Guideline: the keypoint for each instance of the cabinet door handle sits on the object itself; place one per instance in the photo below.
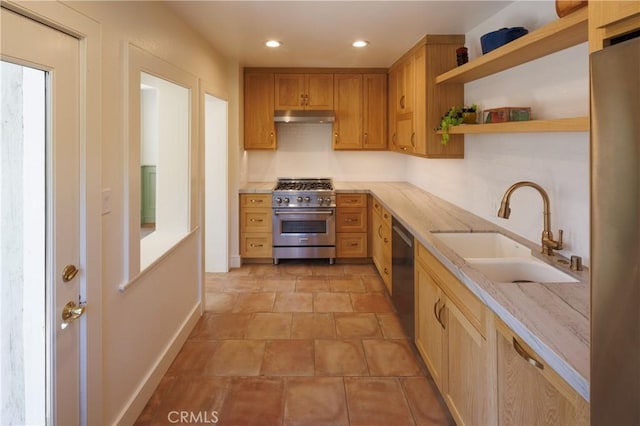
(402, 102)
(335, 138)
(349, 220)
(386, 240)
(256, 245)
(523, 353)
(440, 320)
(271, 138)
(255, 220)
(354, 244)
(301, 99)
(256, 200)
(413, 139)
(394, 139)
(306, 100)
(366, 137)
(404, 148)
(435, 310)
(380, 231)
(386, 271)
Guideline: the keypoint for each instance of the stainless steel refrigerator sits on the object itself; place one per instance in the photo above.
(615, 234)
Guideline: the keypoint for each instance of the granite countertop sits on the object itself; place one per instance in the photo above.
(553, 319)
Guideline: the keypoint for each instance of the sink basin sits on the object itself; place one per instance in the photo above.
(513, 270)
(483, 245)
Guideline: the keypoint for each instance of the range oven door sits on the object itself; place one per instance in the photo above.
(304, 227)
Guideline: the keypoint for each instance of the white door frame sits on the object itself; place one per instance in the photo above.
(88, 32)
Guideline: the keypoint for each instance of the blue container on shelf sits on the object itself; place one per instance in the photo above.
(495, 39)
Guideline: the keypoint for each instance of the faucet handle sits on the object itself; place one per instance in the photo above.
(560, 232)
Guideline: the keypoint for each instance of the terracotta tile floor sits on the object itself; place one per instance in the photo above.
(299, 343)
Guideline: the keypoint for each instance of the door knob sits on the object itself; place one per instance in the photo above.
(72, 312)
(69, 272)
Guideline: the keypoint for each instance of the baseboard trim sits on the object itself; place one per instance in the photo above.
(136, 404)
(235, 262)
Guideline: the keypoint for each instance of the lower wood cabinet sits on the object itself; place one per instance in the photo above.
(451, 335)
(529, 392)
(486, 374)
(255, 226)
(351, 226)
(381, 241)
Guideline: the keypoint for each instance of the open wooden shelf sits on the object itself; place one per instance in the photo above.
(553, 37)
(575, 124)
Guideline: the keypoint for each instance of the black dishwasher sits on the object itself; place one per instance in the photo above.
(402, 292)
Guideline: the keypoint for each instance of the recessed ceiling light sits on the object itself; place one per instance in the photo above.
(360, 43)
(273, 43)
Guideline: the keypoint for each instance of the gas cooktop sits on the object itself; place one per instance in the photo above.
(304, 184)
(303, 192)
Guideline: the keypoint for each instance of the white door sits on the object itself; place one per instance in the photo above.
(40, 380)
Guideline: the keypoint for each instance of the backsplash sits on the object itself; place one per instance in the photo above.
(304, 150)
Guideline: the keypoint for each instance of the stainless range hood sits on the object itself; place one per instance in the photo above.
(307, 116)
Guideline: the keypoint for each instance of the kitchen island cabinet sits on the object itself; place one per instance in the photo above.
(259, 128)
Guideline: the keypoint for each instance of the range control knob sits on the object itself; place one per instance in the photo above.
(279, 200)
(299, 199)
(320, 200)
(286, 201)
(307, 199)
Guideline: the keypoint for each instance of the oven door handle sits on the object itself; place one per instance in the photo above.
(325, 212)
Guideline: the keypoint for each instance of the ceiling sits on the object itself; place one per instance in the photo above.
(320, 33)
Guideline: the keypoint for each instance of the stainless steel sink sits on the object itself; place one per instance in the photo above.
(500, 258)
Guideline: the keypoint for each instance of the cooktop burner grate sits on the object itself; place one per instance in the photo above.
(304, 185)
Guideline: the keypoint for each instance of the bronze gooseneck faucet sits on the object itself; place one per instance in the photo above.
(548, 243)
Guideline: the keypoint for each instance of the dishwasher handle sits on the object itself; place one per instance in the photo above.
(401, 233)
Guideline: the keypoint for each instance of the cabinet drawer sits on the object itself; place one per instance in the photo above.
(255, 245)
(472, 307)
(351, 244)
(351, 200)
(255, 220)
(351, 219)
(255, 200)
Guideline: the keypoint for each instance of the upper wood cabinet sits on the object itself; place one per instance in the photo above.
(418, 103)
(303, 91)
(610, 19)
(259, 128)
(360, 107)
(609, 12)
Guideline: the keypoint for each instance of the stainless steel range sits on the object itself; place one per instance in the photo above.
(304, 211)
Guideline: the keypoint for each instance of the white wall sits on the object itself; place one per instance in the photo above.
(555, 86)
(304, 150)
(216, 240)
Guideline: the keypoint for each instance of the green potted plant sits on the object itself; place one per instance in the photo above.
(469, 114)
(453, 117)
